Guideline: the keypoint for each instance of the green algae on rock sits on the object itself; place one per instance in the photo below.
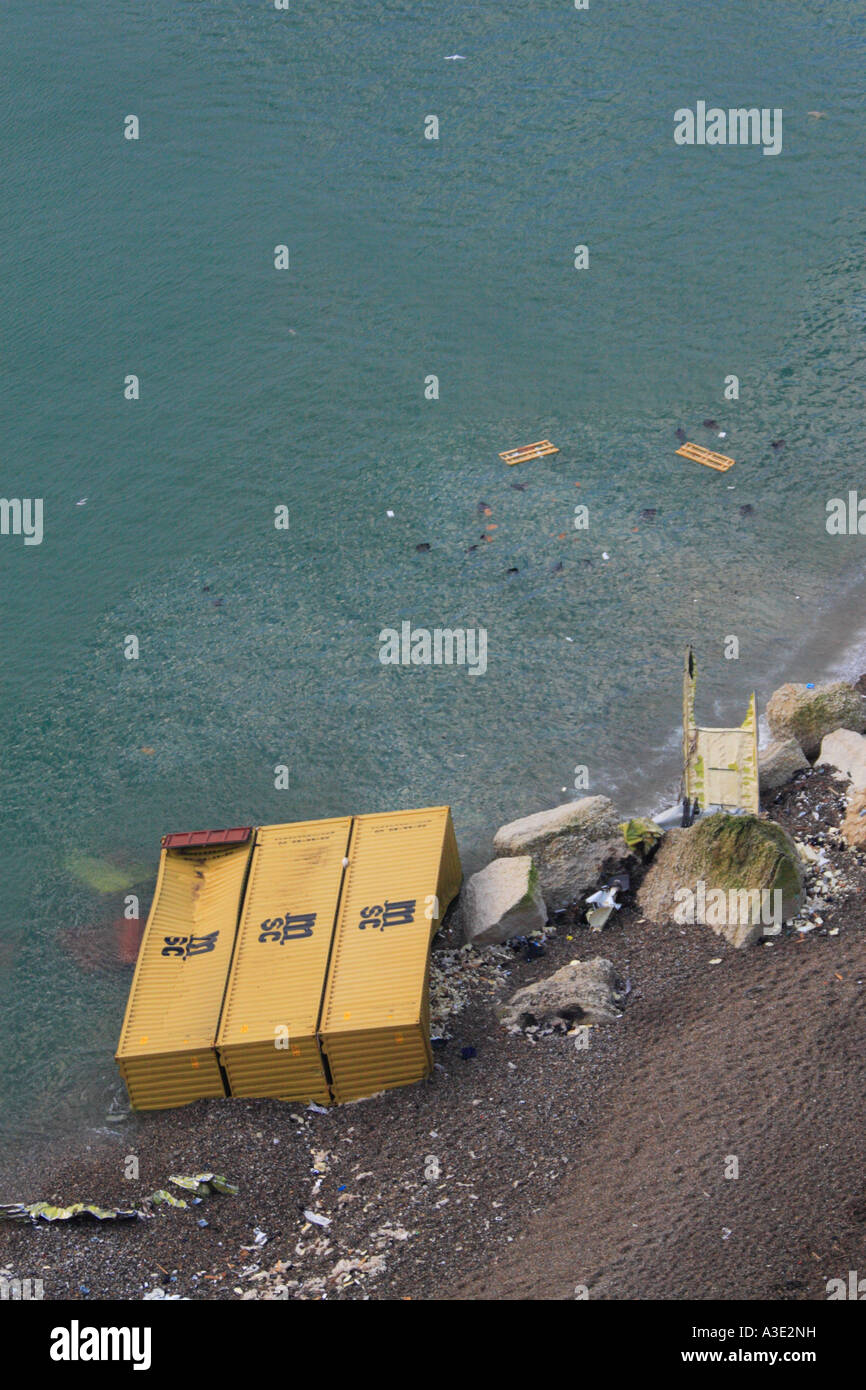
(794, 711)
(744, 858)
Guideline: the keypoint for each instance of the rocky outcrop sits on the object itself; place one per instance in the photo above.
(779, 762)
(846, 752)
(501, 901)
(807, 715)
(574, 847)
(723, 872)
(581, 992)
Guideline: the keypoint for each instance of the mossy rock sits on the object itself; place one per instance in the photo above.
(727, 853)
(793, 711)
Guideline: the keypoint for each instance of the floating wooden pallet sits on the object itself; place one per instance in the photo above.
(699, 454)
(529, 451)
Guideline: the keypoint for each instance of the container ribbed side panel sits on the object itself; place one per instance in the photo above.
(277, 977)
(180, 978)
(374, 1017)
(377, 1060)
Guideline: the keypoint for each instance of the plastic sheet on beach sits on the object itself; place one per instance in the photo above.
(641, 834)
(44, 1211)
(204, 1183)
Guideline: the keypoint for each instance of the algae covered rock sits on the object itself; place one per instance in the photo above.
(581, 992)
(779, 762)
(807, 715)
(501, 901)
(574, 847)
(739, 875)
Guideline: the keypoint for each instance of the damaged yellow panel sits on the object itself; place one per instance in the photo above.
(267, 1038)
(403, 872)
(720, 766)
(166, 1052)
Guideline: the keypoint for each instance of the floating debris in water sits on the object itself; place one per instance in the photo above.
(425, 545)
(680, 435)
(777, 443)
(710, 424)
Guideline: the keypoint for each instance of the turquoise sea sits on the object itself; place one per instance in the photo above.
(305, 388)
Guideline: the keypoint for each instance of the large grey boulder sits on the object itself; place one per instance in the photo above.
(846, 752)
(574, 847)
(723, 872)
(779, 762)
(501, 901)
(807, 715)
(581, 992)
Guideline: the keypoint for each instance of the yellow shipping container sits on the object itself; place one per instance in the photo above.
(267, 1037)
(404, 870)
(166, 1052)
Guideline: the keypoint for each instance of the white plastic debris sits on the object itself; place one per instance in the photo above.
(317, 1219)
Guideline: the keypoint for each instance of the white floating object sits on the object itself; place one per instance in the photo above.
(389, 513)
(454, 58)
(723, 434)
(717, 960)
(604, 555)
(81, 502)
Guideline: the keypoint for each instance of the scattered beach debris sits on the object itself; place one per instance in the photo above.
(458, 975)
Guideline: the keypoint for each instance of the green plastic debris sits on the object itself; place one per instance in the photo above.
(102, 875)
(203, 1183)
(641, 834)
(44, 1211)
(168, 1198)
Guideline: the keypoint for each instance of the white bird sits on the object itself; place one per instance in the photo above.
(454, 58)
